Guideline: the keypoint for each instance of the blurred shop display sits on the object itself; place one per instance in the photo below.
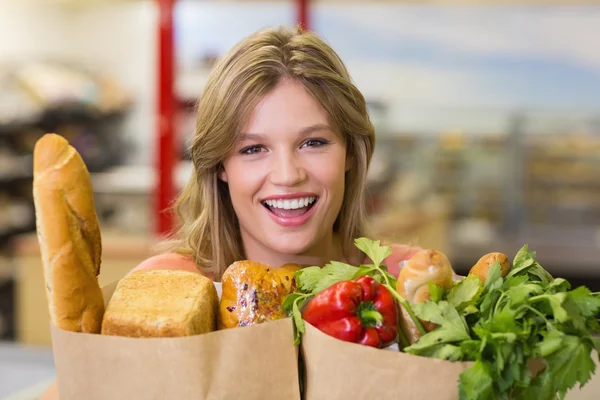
(484, 192)
(37, 97)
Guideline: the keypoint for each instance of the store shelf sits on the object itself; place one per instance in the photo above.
(563, 251)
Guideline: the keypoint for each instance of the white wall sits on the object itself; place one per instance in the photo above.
(30, 31)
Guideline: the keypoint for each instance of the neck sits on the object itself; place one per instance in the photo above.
(327, 249)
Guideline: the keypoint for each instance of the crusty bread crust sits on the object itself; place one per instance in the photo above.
(68, 234)
(483, 265)
(162, 303)
(253, 293)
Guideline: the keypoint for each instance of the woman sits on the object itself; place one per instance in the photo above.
(281, 151)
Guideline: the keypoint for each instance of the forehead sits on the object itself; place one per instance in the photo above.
(288, 108)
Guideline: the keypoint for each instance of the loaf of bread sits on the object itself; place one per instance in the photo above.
(426, 266)
(162, 303)
(68, 234)
(253, 293)
(481, 269)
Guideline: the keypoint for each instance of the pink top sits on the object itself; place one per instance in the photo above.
(175, 261)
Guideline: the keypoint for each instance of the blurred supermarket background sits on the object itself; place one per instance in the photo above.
(487, 116)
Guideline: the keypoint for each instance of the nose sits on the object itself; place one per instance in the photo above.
(287, 170)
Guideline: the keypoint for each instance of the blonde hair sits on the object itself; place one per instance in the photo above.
(209, 230)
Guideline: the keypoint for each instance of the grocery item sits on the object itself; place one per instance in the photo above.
(68, 235)
(253, 293)
(360, 311)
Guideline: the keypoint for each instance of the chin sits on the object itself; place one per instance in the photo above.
(292, 244)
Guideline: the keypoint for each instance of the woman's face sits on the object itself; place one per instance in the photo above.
(286, 175)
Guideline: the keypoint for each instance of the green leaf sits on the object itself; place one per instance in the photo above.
(289, 301)
(523, 258)
(468, 310)
(541, 388)
(476, 383)
(555, 301)
(588, 304)
(509, 360)
(558, 285)
(333, 273)
(552, 342)
(443, 351)
(436, 292)
(488, 303)
(515, 281)
(298, 321)
(571, 364)
(502, 321)
(470, 348)
(373, 249)
(494, 278)
(465, 293)
(518, 295)
(451, 326)
(525, 263)
(307, 278)
(365, 270)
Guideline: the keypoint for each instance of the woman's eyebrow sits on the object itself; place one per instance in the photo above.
(314, 128)
(303, 132)
(251, 136)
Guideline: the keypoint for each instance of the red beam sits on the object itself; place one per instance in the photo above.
(303, 16)
(165, 157)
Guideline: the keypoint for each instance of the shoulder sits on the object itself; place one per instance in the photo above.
(400, 252)
(168, 261)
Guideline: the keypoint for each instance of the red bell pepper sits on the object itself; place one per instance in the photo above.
(359, 311)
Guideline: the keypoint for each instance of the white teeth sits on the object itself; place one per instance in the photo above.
(291, 204)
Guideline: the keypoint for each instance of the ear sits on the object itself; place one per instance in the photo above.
(349, 162)
(222, 174)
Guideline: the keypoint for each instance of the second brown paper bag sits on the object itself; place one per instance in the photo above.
(334, 369)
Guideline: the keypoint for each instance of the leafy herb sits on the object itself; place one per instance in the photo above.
(373, 250)
(314, 279)
(436, 292)
(465, 293)
(451, 327)
(505, 323)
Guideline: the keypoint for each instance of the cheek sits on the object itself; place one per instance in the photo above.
(330, 171)
(243, 180)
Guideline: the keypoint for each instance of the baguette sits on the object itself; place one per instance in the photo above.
(162, 303)
(426, 266)
(68, 234)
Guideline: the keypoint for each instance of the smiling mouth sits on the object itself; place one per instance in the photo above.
(290, 208)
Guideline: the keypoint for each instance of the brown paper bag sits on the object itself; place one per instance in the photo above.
(334, 369)
(255, 362)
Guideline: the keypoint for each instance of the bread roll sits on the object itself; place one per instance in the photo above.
(253, 293)
(162, 303)
(426, 266)
(286, 273)
(68, 235)
(482, 267)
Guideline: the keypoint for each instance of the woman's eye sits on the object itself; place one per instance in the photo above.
(251, 149)
(315, 142)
